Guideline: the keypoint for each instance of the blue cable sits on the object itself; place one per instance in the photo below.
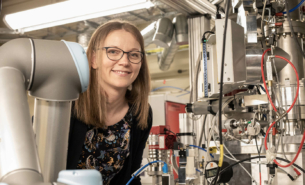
(201, 149)
(162, 87)
(296, 7)
(183, 94)
(164, 168)
(262, 86)
(198, 170)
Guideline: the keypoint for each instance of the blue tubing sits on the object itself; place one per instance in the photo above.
(201, 149)
(296, 7)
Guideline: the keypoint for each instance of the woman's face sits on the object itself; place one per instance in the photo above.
(118, 74)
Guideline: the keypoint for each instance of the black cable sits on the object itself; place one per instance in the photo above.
(292, 30)
(256, 157)
(221, 78)
(203, 39)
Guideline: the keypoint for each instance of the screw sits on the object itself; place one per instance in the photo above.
(228, 79)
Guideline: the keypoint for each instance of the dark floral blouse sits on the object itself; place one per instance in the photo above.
(106, 149)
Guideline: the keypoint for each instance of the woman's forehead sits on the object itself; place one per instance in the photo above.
(122, 39)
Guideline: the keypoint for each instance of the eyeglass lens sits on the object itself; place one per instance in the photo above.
(117, 54)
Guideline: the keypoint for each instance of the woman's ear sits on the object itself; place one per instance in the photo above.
(93, 61)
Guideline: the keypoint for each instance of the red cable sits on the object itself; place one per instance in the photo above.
(295, 99)
(260, 179)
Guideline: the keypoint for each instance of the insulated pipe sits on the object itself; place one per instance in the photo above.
(168, 55)
(181, 29)
(164, 32)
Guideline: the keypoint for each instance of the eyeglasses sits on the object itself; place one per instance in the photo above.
(116, 54)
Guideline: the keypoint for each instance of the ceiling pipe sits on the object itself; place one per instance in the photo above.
(181, 29)
(180, 37)
(164, 32)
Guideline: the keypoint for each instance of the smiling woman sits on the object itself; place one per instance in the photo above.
(111, 121)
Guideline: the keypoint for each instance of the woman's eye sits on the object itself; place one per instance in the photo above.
(113, 52)
(136, 55)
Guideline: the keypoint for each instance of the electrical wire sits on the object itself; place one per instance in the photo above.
(233, 158)
(203, 131)
(263, 15)
(142, 168)
(221, 88)
(183, 94)
(256, 157)
(292, 30)
(296, 7)
(295, 99)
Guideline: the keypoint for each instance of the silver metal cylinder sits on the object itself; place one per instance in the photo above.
(51, 126)
(186, 129)
(287, 94)
(164, 32)
(253, 63)
(288, 44)
(181, 29)
(296, 13)
(17, 143)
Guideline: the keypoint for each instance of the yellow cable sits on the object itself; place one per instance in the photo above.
(221, 156)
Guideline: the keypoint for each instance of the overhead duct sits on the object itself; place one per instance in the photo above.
(181, 29)
(164, 32)
(84, 38)
(148, 33)
(180, 37)
(167, 56)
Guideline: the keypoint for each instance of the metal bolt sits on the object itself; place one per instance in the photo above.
(228, 79)
(225, 64)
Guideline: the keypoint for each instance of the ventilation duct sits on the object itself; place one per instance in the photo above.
(179, 37)
(164, 32)
(84, 38)
(148, 33)
(181, 29)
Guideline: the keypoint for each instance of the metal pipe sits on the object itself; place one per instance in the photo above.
(148, 33)
(181, 29)
(167, 56)
(18, 152)
(164, 32)
(51, 126)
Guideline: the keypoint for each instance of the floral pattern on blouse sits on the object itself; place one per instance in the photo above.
(106, 149)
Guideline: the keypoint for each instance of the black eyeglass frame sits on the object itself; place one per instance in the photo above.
(142, 54)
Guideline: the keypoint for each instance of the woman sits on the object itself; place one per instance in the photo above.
(112, 119)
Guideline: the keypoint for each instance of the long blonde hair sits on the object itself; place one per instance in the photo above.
(91, 105)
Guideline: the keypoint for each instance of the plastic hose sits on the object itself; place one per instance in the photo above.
(296, 7)
(201, 149)
(145, 166)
